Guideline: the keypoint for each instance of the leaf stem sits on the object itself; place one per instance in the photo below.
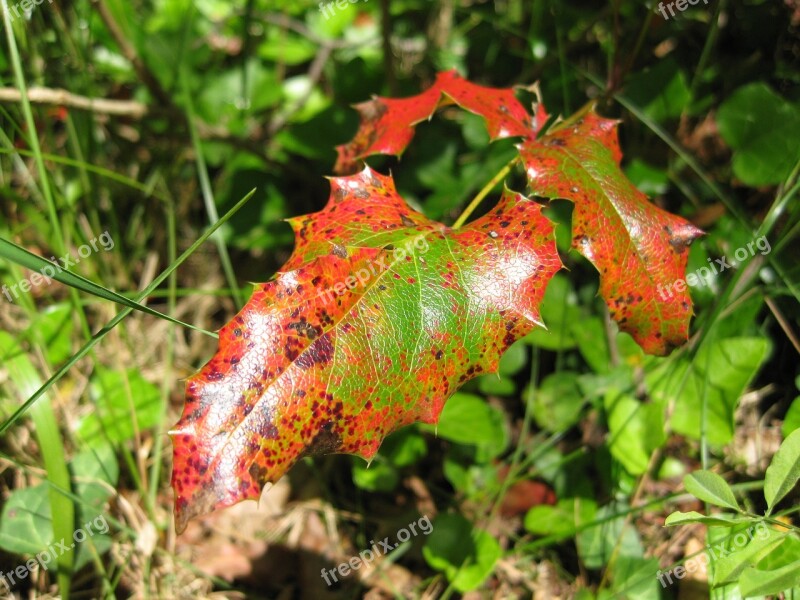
(502, 173)
(499, 176)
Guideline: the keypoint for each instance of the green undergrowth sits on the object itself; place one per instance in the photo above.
(584, 468)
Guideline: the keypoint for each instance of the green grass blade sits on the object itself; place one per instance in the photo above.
(88, 167)
(11, 251)
(26, 379)
(208, 196)
(120, 316)
(64, 572)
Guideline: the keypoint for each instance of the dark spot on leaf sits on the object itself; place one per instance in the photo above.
(320, 352)
(325, 442)
(680, 243)
(257, 473)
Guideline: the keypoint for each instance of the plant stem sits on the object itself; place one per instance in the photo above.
(208, 195)
(501, 174)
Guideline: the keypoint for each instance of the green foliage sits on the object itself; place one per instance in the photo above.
(635, 430)
(783, 472)
(792, 420)
(563, 519)
(662, 91)
(467, 419)
(125, 401)
(708, 103)
(762, 128)
(26, 525)
(707, 387)
(710, 487)
(465, 554)
(759, 553)
(557, 402)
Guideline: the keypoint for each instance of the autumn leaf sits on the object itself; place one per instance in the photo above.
(639, 250)
(377, 318)
(387, 124)
(380, 314)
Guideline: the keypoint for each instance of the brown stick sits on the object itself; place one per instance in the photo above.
(61, 97)
(123, 108)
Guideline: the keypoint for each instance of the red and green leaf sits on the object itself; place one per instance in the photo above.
(372, 325)
(380, 314)
(637, 247)
(387, 124)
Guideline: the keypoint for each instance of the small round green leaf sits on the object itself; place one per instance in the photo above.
(377, 476)
(710, 487)
(469, 419)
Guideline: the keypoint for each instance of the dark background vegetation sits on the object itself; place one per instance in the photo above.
(550, 481)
